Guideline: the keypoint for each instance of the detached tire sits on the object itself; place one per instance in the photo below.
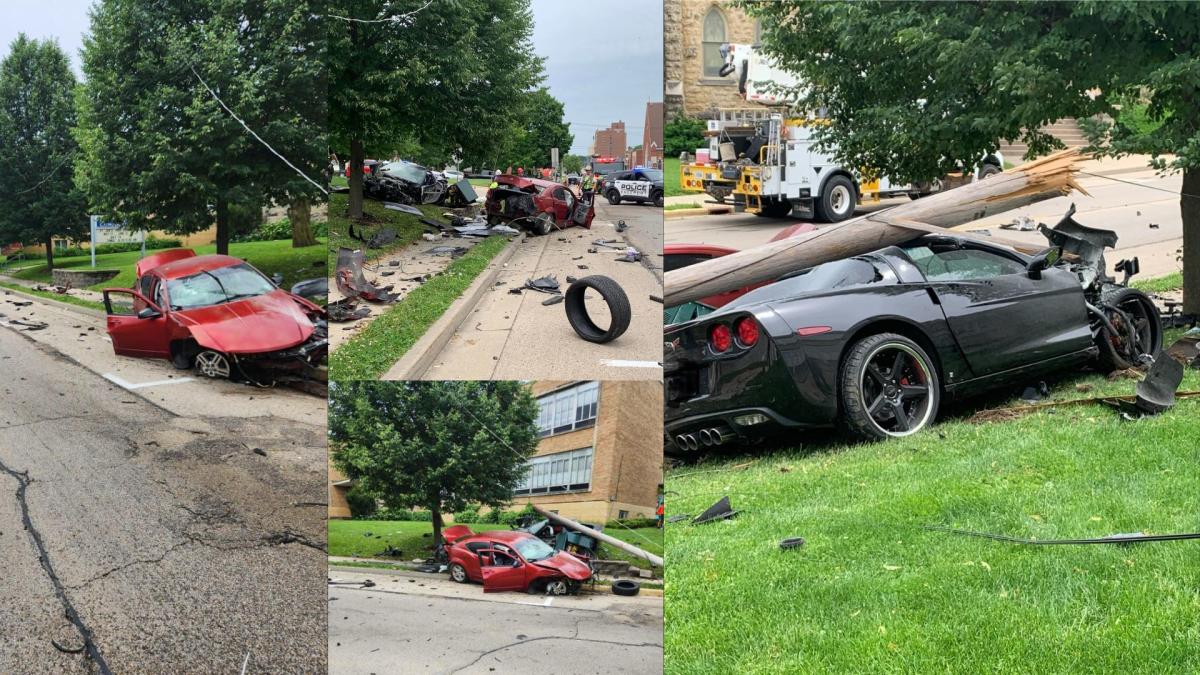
(626, 587)
(889, 387)
(618, 306)
(613, 197)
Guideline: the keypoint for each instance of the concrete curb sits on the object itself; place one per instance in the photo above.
(86, 311)
(419, 358)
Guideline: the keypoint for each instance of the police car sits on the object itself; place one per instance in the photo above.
(636, 185)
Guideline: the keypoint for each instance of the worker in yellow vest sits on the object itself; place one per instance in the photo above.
(588, 184)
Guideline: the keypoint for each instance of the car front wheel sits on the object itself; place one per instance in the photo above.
(458, 573)
(889, 387)
(613, 197)
(210, 363)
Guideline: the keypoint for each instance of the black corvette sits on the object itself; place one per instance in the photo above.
(875, 343)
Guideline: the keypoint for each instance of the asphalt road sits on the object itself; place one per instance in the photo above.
(427, 624)
(136, 540)
(1129, 208)
(644, 231)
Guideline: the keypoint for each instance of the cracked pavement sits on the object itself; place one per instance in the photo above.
(174, 540)
(428, 624)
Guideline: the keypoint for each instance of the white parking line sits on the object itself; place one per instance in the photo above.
(141, 385)
(619, 363)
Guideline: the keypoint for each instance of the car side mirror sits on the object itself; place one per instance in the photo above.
(149, 313)
(1043, 261)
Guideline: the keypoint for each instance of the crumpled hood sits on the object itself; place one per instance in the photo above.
(264, 323)
(567, 565)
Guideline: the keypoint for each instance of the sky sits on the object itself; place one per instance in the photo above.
(64, 20)
(603, 57)
(603, 61)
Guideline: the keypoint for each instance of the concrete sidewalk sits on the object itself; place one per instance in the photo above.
(515, 336)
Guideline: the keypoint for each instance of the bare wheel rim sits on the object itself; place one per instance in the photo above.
(557, 587)
(839, 199)
(1140, 334)
(895, 387)
(212, 364)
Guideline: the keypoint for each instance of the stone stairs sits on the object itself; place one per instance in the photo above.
(1066, 130)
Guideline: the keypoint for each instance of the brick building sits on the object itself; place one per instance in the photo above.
(599, 457)
(610, 142)
(652, 137)
(694, 30)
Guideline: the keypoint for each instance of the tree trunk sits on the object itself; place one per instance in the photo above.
(49, 253)
(222, 226)
(300, 214)
(356, 178)
(435, 515)
(1189, 209)
(1045, 178)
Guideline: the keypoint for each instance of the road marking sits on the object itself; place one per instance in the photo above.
(131, 386)
(619, 363)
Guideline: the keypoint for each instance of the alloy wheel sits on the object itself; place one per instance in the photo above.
(895, 390)
(212, 364)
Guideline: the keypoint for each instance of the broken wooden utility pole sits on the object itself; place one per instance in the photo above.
(611, 541)
(1045, 178)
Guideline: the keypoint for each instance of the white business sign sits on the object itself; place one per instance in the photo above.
(104, 232)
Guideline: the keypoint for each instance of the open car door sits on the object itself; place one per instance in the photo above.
(501, 571)
(136, 325)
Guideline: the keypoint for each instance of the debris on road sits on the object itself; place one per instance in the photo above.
(553, 300)
(1020, 224)
(404, 208)
(1156, 393)
(791, 542)
(546, 284)
(452, 251)
(618, 307)
(1122, 538)
(626, 587)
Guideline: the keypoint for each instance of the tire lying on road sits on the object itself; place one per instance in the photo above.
(626, 587)
(618, 306)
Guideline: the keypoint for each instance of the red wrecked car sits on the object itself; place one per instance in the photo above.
(216, 313)
(512, 561)
(535, 204)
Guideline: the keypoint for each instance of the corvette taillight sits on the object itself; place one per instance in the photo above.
(720, 339)
(747, 331)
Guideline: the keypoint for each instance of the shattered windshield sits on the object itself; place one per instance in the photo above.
(215, 287)
(405, 171)
(533, 550)
(830, 276)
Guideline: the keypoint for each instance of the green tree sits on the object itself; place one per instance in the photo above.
(915, 89)
(540, 128)
(159, 149)
(439, 445)
(38, 200)
(573, 163)
(443, 77)
(683, 134)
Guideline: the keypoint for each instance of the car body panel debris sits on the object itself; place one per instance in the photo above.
(350, 280)
(1122, 538)
(507, 560)
(1156, 393)
(345, 310)
(546, 284)
(720, 511)
(218, 314)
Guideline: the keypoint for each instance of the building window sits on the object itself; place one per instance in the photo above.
(622, 515)
(713, 38)
(568, 409)
(561, 472)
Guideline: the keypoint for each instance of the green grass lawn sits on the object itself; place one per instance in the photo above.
(268, 256)
(371, 352)
(671, 177)
(408, 227)
(1170, 282)
(349, 538)
(60, 297)
(678, 207)
(872, 591)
